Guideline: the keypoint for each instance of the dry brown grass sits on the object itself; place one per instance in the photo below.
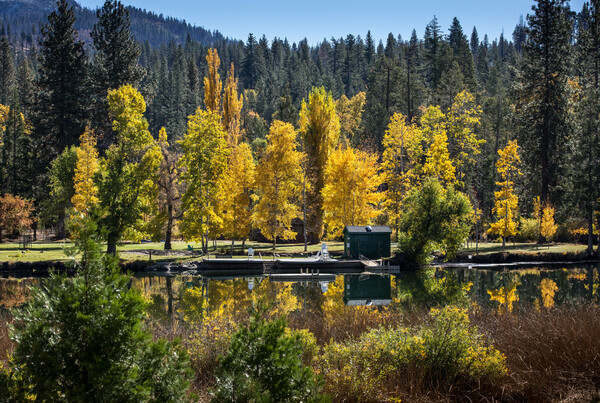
(552, 355)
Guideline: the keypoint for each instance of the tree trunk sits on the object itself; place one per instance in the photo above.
(111, 244)
(590, 248)
(232, 242)
(61, 232)
(169, 232)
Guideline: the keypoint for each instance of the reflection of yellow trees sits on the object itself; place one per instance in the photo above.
(279, 296)
(548, 289)
(506, 296)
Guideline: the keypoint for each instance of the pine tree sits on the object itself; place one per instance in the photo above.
(7, 71)
(585, 144)
(63, 106)
(542, 106)
(115, 62)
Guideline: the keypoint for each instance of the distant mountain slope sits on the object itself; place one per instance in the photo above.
(20, 20)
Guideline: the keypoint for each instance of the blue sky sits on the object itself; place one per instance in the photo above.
(318, 19)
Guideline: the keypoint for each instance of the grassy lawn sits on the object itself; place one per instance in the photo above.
(53, 251)
(493, 247)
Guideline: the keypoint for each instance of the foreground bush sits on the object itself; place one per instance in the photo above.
(447, 352)
(82, 339)
(263, 364)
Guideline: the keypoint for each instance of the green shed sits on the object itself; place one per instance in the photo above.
(372, 242)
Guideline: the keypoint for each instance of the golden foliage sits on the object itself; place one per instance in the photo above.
(401, 158)
(506, 201)
(350, 194)
(237, 186)
(437, 161)
(212, 82)
(278, 180)
(506, 296)
(204, 161)
(86, 191)
(548, 289)
(232, 108)
(548, 227)
(350, 114)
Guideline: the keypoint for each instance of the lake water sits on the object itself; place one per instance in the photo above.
(180, 296)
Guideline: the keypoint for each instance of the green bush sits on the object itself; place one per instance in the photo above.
(82, 339)
(529, 230)
(433, 218)
(263, 364)
(445, 352)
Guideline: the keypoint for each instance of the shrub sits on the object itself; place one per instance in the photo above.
(81, 339)
(445, 352)
(434, 218)
(264, 364)
(529, 230)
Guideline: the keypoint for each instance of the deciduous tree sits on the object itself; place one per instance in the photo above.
(15, 213)
(278, 181)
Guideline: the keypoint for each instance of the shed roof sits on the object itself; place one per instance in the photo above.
(377, 229)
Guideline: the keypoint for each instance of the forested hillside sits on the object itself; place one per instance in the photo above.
(452, 95)
(20, 22)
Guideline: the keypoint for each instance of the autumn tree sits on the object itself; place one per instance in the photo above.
(548, 226)
(204, 161)
(350, 195)
(437, 159)
(85, 189)
(320, 132)
(212, 82)
(237, 188)
(278, 181)
(232, 109)
(15, 214)
(462, 121)
(506, 201)
(129, 167)
(402, 153)
(350, 113)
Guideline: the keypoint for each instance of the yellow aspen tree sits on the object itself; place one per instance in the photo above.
(350, 194)
(401, 152)
(320, 132)
(232, 108)
(548, 289)
(129, 167)
(204, 162)
(462, 119)
(437, 160)
(212, 82)
(506, 201)
(238, 185)
(86, 190)
(278, 182)
(350, 112)
(548, 227)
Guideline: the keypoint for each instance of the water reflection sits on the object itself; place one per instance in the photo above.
(197, 299)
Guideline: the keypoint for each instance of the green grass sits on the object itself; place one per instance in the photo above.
(55, 251)
(494, 247)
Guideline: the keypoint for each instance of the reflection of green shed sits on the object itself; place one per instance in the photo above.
(367, 289)
(372, 242)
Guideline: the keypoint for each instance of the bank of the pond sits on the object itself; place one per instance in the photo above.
(42, 269)
(514, 258)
